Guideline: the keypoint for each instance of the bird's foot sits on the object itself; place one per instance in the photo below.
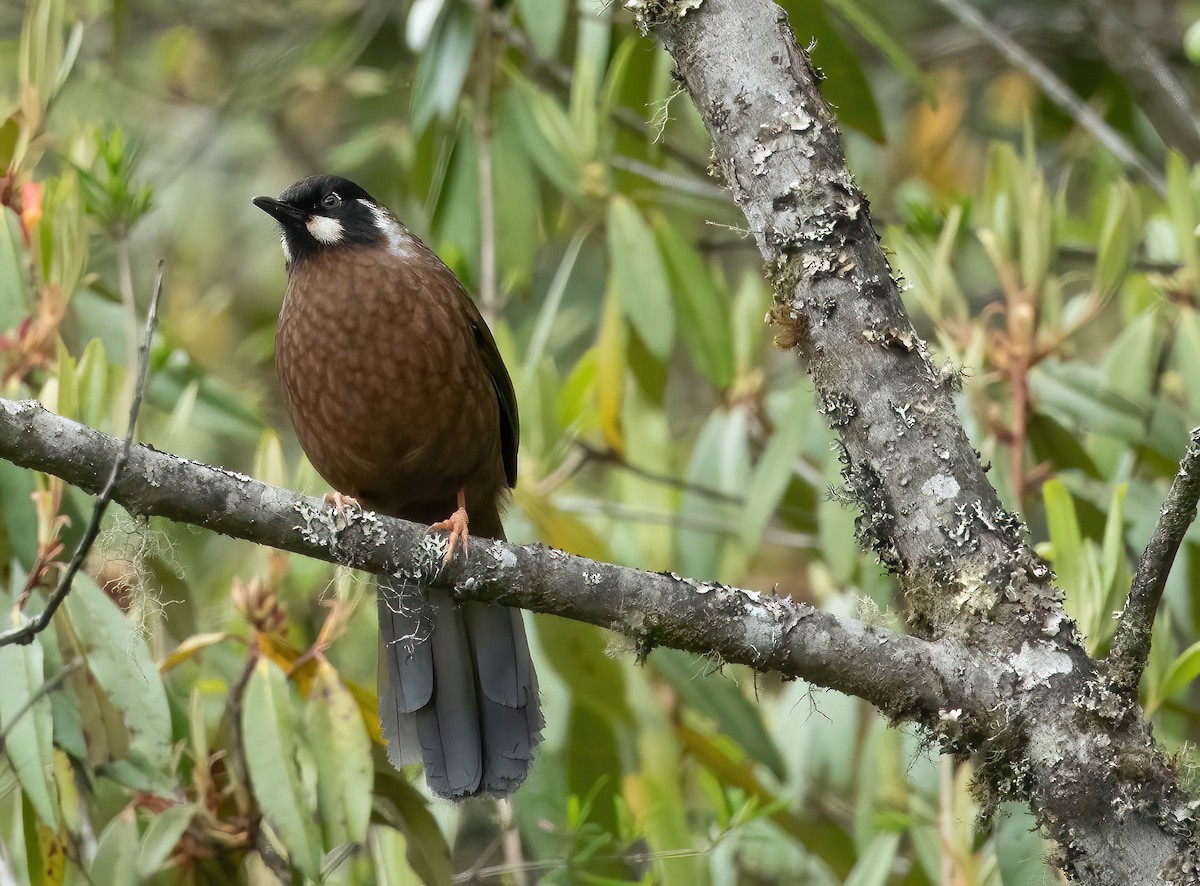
(340, 502)
(457, 525)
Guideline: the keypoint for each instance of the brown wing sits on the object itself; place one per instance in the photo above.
(510, 422)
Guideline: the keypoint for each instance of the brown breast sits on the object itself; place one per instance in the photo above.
(384, 382)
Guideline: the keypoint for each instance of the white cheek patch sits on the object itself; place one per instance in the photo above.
(287, 253)
(400, 242)
(325, 229)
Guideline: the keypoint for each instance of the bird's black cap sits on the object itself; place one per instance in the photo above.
(325, 212)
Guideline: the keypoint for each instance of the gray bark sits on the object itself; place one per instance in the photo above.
(1059, 738)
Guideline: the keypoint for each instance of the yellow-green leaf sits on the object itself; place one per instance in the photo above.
(640, 277)
(269, 731)
(342, 749)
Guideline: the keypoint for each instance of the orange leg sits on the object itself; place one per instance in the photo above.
(340, 502)
(457, 525)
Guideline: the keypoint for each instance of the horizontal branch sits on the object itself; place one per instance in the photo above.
(907, 678)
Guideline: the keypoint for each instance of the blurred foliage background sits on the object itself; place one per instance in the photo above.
(169, 727)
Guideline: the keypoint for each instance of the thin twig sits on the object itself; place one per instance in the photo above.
(1057, 91)
(611, 457)
(670, 180)
(1157, 92)
(41, 692)
(1131, 644)
(511, 837)
(25, 633)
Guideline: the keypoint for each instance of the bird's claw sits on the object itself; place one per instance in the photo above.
(339, 502)
(457, 525)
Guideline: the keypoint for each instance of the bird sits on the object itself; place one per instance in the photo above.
(400, 399)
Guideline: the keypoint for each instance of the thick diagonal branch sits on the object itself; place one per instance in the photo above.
(907, 678)
(1060, 738)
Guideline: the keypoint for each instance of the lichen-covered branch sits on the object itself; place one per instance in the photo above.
(907, 678)
(1131, 645)
(1060, 737)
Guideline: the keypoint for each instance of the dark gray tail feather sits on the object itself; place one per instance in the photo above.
(457, 691)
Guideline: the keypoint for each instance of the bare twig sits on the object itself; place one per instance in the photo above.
(608, 456)
(1161, 95)
(1131, 644)
(511, 837)
(1057, 91)
(26, 632)
(670, 180)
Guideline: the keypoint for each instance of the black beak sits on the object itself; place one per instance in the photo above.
(284, 213)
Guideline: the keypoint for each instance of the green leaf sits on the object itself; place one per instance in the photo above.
(118, 657)
(162, 835)
(18, 518)
(720, 463)
(1021, 853)
(457, 221)
(269, 732)
(1131, 359)
(544, 325)
(718, 697)
(576, 652)
(544, 21)
(775, 469)
(593, 763)
(516, 203)
(389, 859)
(640, 277)
(874, 866)
(1118, 238)
(702, 307)
(28, 744)
(14, 303)
(845, 85)
(334, 728)
(270, 466)
(1076, 394)
(1064, 536)
(1114, 570)
(1186, 356)
(116, 861)
(1180, 674)
(443, 64)
(10, 130)
(92, 384)
(406, 809)
(546, 131)
(1181, 208)
(611, 371)
(875, 32)
(67, 401)
(1051, 442)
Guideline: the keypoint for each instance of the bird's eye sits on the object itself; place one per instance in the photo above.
(331, 200)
